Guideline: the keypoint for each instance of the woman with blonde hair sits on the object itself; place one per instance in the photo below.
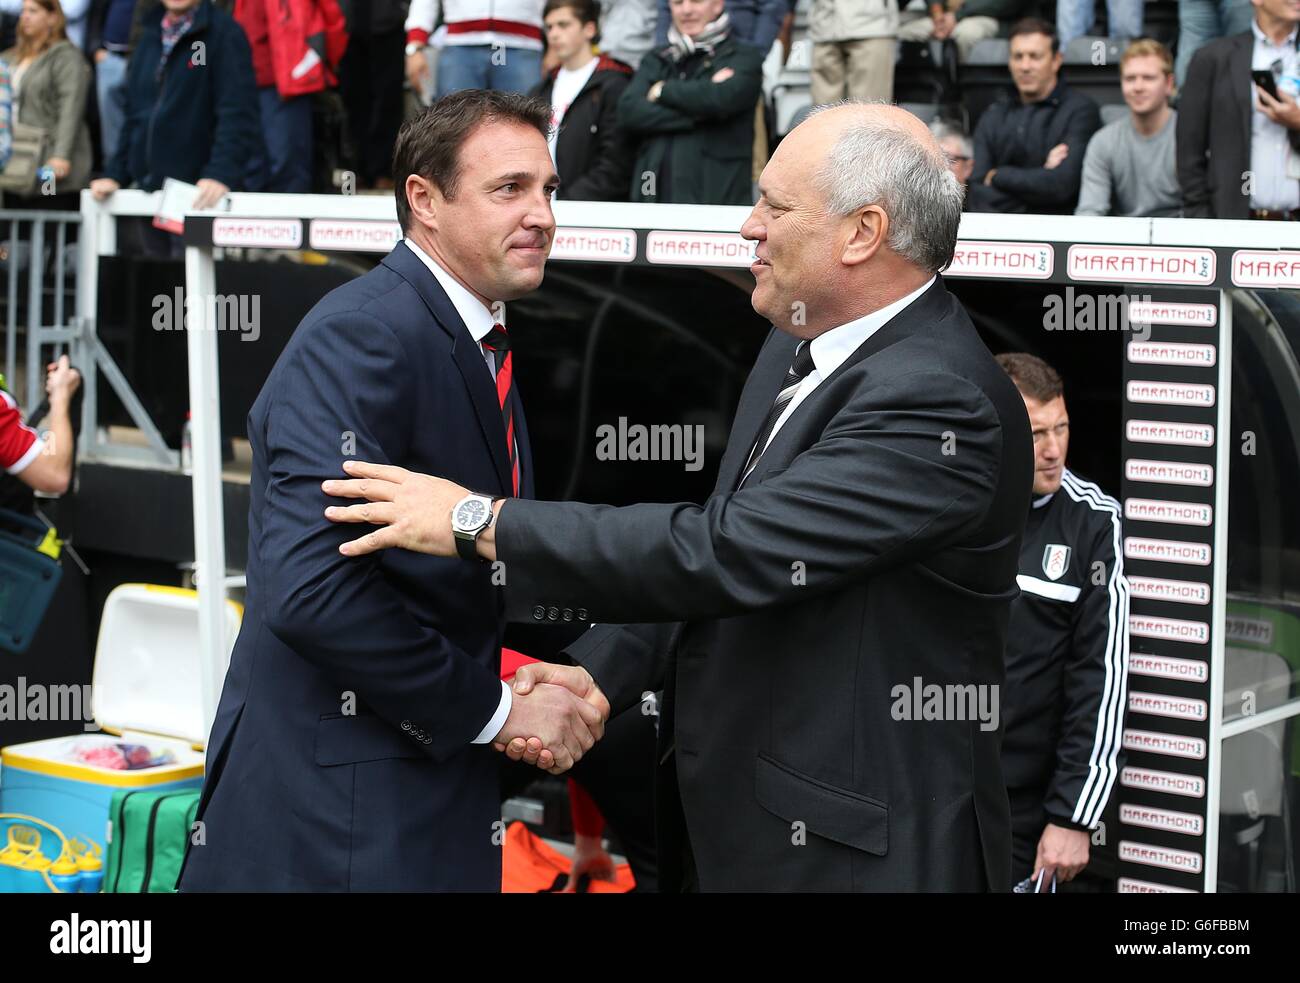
(50, 80)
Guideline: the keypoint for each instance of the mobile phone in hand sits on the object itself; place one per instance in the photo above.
(1264, 79)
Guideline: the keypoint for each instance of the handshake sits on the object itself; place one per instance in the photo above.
(557, 714)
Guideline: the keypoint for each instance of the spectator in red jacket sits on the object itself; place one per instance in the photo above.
(297, 46)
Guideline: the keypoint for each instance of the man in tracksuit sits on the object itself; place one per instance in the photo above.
(1067, 650)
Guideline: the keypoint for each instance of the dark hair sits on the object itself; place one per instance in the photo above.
(428, 145)
(1032, 376)
(1035, 25)
(587, 11)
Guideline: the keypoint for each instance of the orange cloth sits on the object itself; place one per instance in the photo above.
(529, 865)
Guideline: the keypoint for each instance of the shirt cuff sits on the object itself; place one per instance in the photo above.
(498, 719)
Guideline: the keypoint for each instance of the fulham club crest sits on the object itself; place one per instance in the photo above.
(1056, 560)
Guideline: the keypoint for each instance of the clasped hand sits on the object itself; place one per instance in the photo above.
(557, 714)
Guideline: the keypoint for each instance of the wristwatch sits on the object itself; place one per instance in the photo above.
(469, 517)
(413, 47)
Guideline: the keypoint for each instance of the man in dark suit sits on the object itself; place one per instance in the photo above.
(349, 751)
(829, 625)
(1238, 146)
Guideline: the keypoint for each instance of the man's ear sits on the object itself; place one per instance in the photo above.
(867, 233)
(424, 200)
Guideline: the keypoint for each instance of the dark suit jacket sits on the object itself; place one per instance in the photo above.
(1214, 117)
(301, 795)
(876, 542)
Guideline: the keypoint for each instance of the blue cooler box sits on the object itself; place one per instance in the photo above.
(145, 690)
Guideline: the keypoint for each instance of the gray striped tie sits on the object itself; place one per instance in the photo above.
(802, 365)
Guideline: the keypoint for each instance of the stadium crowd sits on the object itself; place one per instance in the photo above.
(652, 100)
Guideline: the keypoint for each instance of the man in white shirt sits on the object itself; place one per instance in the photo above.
(1238, 145)
(590, 150)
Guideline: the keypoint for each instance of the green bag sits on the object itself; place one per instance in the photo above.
(148, 832)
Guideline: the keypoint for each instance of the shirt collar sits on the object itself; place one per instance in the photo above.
(1038, 503)
(478, 319)
(1261, 36)
(831, 348)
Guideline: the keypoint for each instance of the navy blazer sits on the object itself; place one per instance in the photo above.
(341, 757)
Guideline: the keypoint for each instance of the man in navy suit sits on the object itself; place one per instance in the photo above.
(350, 750)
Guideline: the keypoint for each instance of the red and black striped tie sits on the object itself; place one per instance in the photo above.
(498, 343)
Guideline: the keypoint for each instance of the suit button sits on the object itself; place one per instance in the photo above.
(539, 612)
(406, 725)
(553, 614)
(582, 614)
(567, 614)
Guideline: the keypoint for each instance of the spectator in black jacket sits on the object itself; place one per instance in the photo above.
(1029, 148)
(592, 155)
(191, 106)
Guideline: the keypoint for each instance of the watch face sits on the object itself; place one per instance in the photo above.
(471, 513)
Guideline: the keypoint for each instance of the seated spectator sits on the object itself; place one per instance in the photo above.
(627, 29)
(75, 13)
(592, 155)
(753, 22)
(691, 106)
(490, 44)
(1236, 154)
(854, 49)
(1201, 21)
(108, 44)
(967, 22)
(1029, 147)
(191, 78)
(295, 53)
(50, 81)
(1075, 19)
(1129, 166)
(956, 144)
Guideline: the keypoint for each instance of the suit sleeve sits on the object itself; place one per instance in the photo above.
(351, 376)
(608, 178)
(1055, 187)
(1095, 688)
(627, 661)
(1192, 137)
(906, 466)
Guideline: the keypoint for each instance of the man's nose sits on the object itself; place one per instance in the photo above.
(753, 228)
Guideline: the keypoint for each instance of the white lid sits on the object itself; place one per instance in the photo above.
(147, 662)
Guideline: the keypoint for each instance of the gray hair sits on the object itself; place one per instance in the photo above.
(877, 162)
(943, 129)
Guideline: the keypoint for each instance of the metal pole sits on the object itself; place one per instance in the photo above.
(209, 522)
(1224, 446)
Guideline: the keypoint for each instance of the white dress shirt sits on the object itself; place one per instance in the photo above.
(479, 321)
(831, 348)
(1270, 150)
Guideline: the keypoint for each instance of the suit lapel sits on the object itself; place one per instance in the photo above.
(756, 400)
(465, 352)
(773, 362)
